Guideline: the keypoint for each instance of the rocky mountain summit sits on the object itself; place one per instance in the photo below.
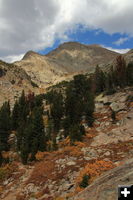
(65, 61)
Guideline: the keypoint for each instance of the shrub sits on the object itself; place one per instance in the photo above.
(84, 183)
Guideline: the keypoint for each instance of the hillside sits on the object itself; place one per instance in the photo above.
(13, 80)
(74, 140)
(42, 70)
(65, 61)
(76, 57)
(104, 154)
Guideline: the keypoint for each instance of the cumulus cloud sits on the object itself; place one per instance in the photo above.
(12, 58)
(121, 51)
(121, 41)
(36, 24)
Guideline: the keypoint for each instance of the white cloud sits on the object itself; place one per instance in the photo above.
(35, 24)
(121, 41)
(121, 51)
(12, 58)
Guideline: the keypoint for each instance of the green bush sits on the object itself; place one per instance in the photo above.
(84, 183)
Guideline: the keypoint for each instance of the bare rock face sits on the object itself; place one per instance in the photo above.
(62, 63)
(13, 80)
(79, 57)
(106, 186)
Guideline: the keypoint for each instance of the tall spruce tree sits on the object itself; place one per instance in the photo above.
(79, 102)
(57, 110)
(120, 70)
(23, 107)
(38, 139)
(129, 73)
(5, 126)
(15, 116)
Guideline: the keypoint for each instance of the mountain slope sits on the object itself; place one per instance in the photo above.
(13, 80)
(106, 186)
(68, 59)
(76, 57)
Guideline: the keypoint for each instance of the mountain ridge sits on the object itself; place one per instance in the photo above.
(68, 59)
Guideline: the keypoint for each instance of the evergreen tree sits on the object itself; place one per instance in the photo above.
(98, 80)
(15, 116)
(25, 145)
(38, 141)
(84, 182)
(79, 102)
(89, 107)
(31, 136)
(23, 107)
(113, 116)
(1, 157)
(120, 71)
(129, 73)
(57, 110)
(76, 132)
(5, 126)
(20, 135)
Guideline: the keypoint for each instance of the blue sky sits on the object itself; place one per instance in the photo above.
(41, 25)
(86, 36)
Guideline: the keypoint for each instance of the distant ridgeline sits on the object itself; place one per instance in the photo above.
(39, 121)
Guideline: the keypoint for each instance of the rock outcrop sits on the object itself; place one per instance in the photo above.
(106, 186)
(13, 80)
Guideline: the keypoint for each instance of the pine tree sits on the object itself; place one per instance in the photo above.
(97, 80)
(129, 73)
(76, 133)
(57, 110)
(120, 71)
(15, 116)
(25, 144)
(23, 107)
(38, 142)
(84, 182)
(79, 102)
(89, 108)
(1, 157)
(113, 116)
(5, 126)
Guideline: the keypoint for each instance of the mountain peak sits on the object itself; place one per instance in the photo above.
(76, 45)
(29, 54)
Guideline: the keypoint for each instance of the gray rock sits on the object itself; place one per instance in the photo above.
(71, 163)
(117, 106)
(107, 153)
(105, 187)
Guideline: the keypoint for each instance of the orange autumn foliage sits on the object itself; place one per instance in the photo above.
(41, 155)
(65, 142)
(93, 170)
(79, 144)
(59, 198)
(71, 151)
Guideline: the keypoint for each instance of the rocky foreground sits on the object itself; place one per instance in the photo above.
(105, 154)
